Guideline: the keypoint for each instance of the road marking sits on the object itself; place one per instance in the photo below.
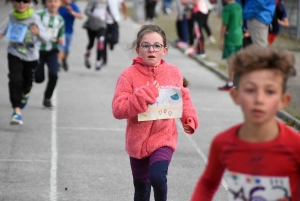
(53, 171)
(21, 160)
(198, 149)
(91, 128)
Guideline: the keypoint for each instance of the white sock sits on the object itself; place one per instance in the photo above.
(230, 84)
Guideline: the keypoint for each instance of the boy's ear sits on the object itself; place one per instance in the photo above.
(233, 93)
(285, 100)
(137, 51)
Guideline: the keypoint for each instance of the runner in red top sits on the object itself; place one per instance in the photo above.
(260, 158)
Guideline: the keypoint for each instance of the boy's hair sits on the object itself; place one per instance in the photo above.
(149, 29)
(186, 83)
(258, 58)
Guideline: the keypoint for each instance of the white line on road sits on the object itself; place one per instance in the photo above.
(91, 128)
(53, 171)
(199, 151)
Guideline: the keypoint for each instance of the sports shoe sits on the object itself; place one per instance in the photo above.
(211, 40)
(16, 119)
(24, 101)
(87, 62)
(181, 44)
(65, 66)
(189, 51)
(201, 56)
(47, 103)
(99, 65)
(226, 87)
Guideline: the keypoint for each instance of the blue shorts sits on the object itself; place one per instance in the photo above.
(67, 43)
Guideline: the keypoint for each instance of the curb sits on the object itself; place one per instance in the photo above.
(212, 66)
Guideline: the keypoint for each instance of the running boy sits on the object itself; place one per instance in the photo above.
(49, 51)
(24, 32)
(150, 94)
(231, 35)
(69, 11)
(259, 158)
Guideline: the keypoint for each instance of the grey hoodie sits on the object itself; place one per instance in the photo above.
(28, 50)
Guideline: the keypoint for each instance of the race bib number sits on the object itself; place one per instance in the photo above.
(168, 105)
(16, 32)
(53, 33)
(243, 187)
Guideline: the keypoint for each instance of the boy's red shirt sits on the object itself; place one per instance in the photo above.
(279, 157)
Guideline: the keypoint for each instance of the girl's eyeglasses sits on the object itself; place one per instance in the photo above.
(146, 46)
(24, 1)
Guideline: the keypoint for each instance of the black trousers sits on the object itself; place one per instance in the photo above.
(50, 58)
(150, 9)
(20, 78)
(92, 35)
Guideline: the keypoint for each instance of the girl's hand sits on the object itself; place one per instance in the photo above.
(34, 30)
(187, 128)
(155, 84)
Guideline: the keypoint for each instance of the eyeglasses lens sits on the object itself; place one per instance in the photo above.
(156, 47)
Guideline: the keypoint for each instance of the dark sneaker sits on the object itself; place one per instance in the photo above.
(87, 62)
(47, 104)
(24, 101)
(226, 87)
(16, 119)
(65, 66)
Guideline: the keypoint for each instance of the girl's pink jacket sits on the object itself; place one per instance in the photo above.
(133, 95)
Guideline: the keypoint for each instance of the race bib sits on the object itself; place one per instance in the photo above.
(16, 32)
(168, 105)
(243, 187)
(53, 33)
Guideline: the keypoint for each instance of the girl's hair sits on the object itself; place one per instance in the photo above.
(258, 58)
(186, 83)
(148, 29)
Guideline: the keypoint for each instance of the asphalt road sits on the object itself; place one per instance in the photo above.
(77, 151)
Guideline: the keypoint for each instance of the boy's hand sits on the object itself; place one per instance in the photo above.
(34, 30)
(1, 35)
(60, 41)
(70, 9)
(221, 45)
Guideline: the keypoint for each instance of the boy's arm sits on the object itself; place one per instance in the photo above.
(211, 178)
(61, 33)
(3, 30)
(39, 29)
(74, 10)
(284, 22)
(124, 9)
(222, 34)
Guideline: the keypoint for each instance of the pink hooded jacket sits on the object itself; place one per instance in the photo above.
(132, 97)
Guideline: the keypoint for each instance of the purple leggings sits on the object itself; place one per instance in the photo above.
(140, 167)
(151, 171)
